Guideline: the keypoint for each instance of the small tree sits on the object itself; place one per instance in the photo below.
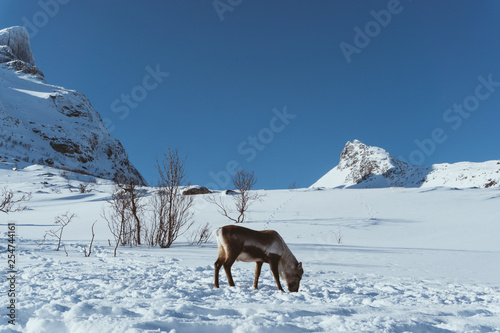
(159, 204)
(243, 183)
(62, 220)
(86, 187)
(127, 211)
(172, 214)
(201, 235)
(91, 242)
(10, 204)
(135, 205)
(118, 218)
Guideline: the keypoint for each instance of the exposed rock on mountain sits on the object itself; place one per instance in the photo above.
(15, 51)
(196, 190)
(17, 40)
(46, 124)
(364, 166)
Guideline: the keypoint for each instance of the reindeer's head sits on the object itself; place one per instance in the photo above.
(293, 277)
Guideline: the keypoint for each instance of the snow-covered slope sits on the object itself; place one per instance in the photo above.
(50, 125)
(363, 166)
(376, 260)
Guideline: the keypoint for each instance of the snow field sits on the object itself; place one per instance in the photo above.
(379, 260)
(146, 290)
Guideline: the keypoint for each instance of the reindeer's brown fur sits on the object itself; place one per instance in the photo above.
(243, 244)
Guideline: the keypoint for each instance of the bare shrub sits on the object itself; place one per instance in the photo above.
(201, 235)
(91, 242)
(243, 182)
(10, 204)
(338, 237)
(86, 187)
(135, 205)
(118, 218)
(172, 214)
(62, 221)
(70, 185)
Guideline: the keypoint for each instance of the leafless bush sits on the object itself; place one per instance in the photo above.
(243, 183)
(62, 221)
(70, 185)
(134, 195)
(126, 213)
(201, 235)
(91, 242)
(10, 204)
(118, 218)
(338, 237)
(172, 214)
(86, 187)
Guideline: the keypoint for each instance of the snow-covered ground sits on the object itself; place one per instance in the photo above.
(375, 260)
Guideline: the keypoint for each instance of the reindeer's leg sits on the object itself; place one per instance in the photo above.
(218, 264)
(273, 263)
(258, 266)
(230, 259)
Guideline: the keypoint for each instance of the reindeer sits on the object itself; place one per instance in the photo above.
(243, 244)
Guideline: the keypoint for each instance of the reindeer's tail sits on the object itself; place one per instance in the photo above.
(217, 233)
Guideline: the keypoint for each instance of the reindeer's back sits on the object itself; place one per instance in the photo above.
(243, 237)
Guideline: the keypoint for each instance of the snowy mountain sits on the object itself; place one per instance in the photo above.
(50, 125)
(363, 166)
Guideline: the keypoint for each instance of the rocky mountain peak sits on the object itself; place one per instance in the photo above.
(17, 39)
(364, 166)
(15, 52)
(50, 125)
(361, 161)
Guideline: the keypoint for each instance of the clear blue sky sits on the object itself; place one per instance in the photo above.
(230, 68)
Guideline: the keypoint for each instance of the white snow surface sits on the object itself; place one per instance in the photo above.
(375, 260)
(363, 166)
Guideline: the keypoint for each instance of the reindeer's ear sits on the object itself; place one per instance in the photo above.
(300, 265)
